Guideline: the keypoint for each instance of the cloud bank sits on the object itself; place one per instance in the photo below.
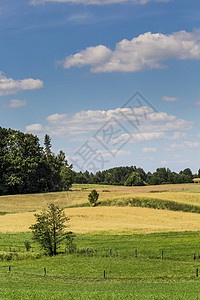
(84, 124)
(147, 51)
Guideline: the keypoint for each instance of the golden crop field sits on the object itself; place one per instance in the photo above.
(111, 219)
(20, 210)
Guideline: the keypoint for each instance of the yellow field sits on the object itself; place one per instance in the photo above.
(33, 202)
(21, 210)
(111, 219)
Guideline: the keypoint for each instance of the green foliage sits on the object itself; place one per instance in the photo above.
(28, 168)
(49, 229)
(152, 203)
(27, 245)
(119, 176)
(66, 176)
(93, 197)
(47, 144)
(70, 245)
(134, 180)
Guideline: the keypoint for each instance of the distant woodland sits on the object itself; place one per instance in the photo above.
(26, 167)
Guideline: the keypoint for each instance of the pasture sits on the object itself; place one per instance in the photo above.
(81, 275)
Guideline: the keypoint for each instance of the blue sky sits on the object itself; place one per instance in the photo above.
(113, 82)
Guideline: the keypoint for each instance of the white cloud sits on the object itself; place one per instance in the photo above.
(149, 150)
(183, 146)
(96, 2)
(147, 51)
(83, 125)
(34, 128)
(169, 99)
(15, 103)
(173, 125)
(10, 86)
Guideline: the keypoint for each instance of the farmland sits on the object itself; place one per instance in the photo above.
(125, 242)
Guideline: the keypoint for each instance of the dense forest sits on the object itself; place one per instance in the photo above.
(26, 167)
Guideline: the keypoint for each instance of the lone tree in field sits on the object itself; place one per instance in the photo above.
(49, 229)
(93, 197)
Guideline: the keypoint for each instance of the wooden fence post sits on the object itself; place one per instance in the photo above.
(194, 256)
(135, 252)
(197, 272)
(45, 271)
(162, 254)
(9, 268)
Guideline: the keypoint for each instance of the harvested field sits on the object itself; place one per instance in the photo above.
(111, 219)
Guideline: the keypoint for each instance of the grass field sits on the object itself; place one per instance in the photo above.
(81, 276)
(99, 229)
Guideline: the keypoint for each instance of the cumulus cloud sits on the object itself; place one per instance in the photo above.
(85, 125)
(147, 51)
(169, 99)
(96, 2)
(10, 86)
(15, 103)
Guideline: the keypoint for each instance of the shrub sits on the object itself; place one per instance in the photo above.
(93, 197)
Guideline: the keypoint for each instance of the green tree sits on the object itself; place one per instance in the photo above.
(188, 173)
(134, 180)
(47, 145)
(49, 229)
(93, 197)
(66, 176)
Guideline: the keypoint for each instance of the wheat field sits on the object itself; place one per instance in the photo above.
(20, 210)
(112, 220)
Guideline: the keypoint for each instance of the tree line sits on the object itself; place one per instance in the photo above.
(26, 167)
(133, 176)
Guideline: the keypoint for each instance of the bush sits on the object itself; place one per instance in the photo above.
(93, 197)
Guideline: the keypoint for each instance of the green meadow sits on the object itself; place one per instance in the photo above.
(133, 264)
